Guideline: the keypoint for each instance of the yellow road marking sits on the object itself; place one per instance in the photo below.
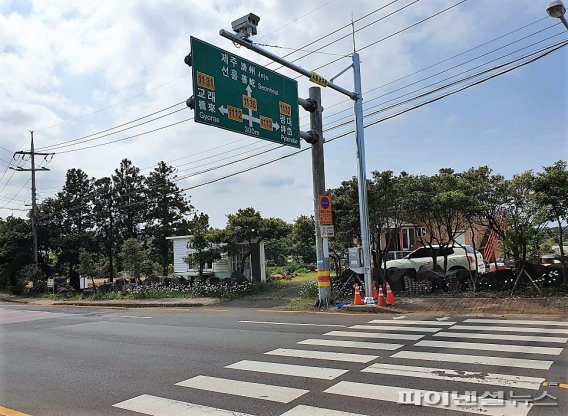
(215, 310)
(560, 385)
(4, 411)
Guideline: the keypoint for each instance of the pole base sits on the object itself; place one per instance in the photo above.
(369, 300)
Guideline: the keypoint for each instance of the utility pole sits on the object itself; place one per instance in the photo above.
(356, 96)
(33, 170)
(315, 138)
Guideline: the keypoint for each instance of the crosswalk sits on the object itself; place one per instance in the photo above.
(11, 316)
(475, 366)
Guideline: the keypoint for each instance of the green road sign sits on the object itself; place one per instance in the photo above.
(239, 95)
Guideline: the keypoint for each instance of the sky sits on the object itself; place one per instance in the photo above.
(75, 70)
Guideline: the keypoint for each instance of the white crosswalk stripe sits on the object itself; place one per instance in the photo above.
(159, 406)
(474, 359)
(442, 400)
(490, 347)
(506, 337)
(396, 328)
(244, 388)
(409, 322)
(323, 355)
(288, 369)
(351, 344)
(511, 329)
(505, 340)
(302, 410)
(505, 380)
(386, 335)
(516, 322)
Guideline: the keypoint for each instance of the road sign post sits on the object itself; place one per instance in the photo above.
(239, 95)
(357, 97)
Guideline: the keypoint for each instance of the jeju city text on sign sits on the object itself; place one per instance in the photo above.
(235, 94)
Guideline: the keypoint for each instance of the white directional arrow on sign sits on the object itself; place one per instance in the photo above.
(251, 119)
(223, 110)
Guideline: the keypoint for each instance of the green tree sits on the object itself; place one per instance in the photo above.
(167, 207)
(386, 211)
(303, 238)
(436, 203)
(205, 249)
(248, 226)
(551, 193)
(524, 218)
(104, 213)
(72, 217)
(15, 253)
(133, 255)
(129, 191)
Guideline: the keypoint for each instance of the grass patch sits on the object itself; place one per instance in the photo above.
(298, 304)
(298, 278)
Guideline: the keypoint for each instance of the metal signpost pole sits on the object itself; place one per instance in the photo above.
(361, 173)
(362, 181)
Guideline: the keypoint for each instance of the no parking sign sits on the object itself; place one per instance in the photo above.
(325, 217)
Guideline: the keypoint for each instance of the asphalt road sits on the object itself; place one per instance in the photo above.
(243, 361)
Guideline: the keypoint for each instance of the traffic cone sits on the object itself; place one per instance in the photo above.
(375, 293)
(390, 296)
(381, 301)
(357, 299)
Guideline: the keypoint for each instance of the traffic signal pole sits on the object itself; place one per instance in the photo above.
(318, 177)
(357, 97)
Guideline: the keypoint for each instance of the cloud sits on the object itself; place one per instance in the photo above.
(276, 181)
(104, 63)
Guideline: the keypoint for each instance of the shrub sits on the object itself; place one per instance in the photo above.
(309, 290)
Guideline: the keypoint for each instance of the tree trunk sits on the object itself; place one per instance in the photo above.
(562, 255)
(165, 260)
(245, 257)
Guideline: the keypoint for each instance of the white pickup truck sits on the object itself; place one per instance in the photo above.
(459, 258)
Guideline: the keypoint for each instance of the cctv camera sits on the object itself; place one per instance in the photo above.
(246, 25)
(556, 9)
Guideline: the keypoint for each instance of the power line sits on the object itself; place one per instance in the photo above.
(296, 19)
(561, 45)
(114, 132)
(350, 34)
(442, 61)
(390, 14)
(7, 150)
(126, 138)
(456, 75)
(113, 105)
(545, 53)
(339, 29)
(230, 163)
(111, 128)
(395, 33)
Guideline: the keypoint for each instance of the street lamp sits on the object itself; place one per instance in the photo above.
(556, 9)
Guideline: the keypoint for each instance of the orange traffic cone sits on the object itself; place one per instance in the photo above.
(357, 299)
(390, 296)
(375, 293)
(381, 301)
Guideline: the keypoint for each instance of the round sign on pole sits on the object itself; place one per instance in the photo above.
(324, 201)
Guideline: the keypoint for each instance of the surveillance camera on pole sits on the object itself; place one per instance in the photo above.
(246, 25)
(556, 9)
